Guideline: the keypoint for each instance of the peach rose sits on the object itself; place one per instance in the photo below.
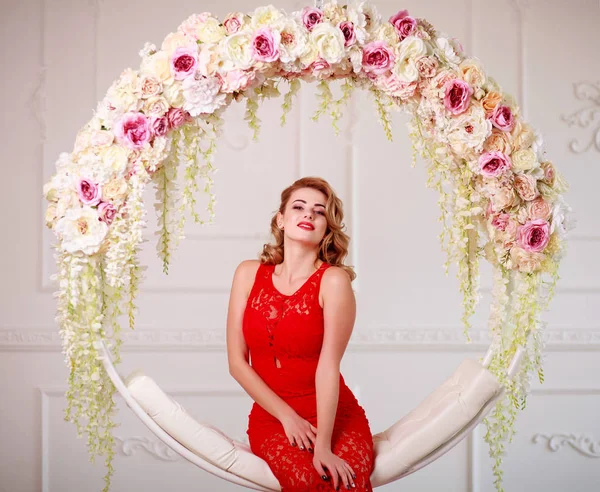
(539, 209)
(427, 66)
(549, 173)
(490, 101)
(503, 197)
(524, 261)
(149, 86)
(472, 73)
(526, 186)
(499, 141)
(523, 135)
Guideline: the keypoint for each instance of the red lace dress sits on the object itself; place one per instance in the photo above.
(284, 335)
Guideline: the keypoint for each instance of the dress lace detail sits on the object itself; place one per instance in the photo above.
(284, 334)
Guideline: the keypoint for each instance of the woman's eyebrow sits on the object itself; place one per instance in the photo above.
(304, 201)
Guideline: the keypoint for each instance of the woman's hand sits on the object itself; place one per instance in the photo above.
(300, 432)
(336, 466)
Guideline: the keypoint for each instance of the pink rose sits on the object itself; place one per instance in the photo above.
(378, 58)
(502, 118)
(311, 17)
(133, 130)
(494, 163)
(233, 22)
(534, 235)
(403, 23)
(159, 125)
(321, 68)
(106, 212)
(177, 117)
(500, 221)
(89, 193)
(526, 186)
(457, 96)
(183, 62)
(237, 80)
(393, 85)
(264, 46)
(347, 29)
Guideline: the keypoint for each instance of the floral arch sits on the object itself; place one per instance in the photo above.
(501, 199)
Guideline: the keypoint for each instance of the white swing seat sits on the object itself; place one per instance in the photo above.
(439, 423)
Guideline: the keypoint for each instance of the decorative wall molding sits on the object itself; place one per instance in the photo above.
(583, 444)
(374, 339)
(158, 449)
(586, 117)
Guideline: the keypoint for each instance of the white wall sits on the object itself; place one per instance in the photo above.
(58, 59)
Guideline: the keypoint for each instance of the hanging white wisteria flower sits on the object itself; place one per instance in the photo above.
(501, 198)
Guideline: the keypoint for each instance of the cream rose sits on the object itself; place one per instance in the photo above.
(411, 48)
(115, 158)
(524, 160)
(156, 106)
(237, 49)
(114, 190)
(159, 66)
(210, 31)
(176, 40)
(329, 41)
(265, 16)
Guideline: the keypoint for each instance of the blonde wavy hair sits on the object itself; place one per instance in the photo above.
(334, 245)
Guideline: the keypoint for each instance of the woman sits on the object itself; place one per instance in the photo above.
(290, 317)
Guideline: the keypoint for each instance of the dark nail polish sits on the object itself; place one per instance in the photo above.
(310, 450)
(354, 476)
(293, 444)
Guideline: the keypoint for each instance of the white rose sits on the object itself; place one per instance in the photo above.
(469, 130)
(411, 48)
(210, 31)
(237, 50)
(329, 41)
(524, 160)
(444, 45)
(124, 93)
(356, 57)
(80, 230)
(202, 95)
(294, 41)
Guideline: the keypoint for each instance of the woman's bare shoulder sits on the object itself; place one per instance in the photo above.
(246, 274)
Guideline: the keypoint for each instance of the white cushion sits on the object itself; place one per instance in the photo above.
(441, 415)
(201, 438)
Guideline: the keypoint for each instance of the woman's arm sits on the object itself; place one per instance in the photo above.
(339, 312)
(237, 350)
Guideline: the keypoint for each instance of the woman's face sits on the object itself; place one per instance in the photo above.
(304, 218)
